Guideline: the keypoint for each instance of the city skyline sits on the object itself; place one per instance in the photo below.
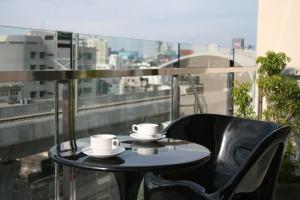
(200, 22)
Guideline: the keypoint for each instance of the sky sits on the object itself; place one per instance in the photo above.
(189, 21)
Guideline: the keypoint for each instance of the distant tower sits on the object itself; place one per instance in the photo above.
(101, 49)
(238, 43)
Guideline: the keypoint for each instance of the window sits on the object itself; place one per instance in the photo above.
(4, 93)
(16, 42)
(14, 92)
(88, 56)
(42, 55)
(32, 67)
(32, 54)
(50, 54)
(31, 43)
(42, 67)
(87, 90)
(79, 91)
(49, 37)
(42, 93)
(32, 94)
(42, 82)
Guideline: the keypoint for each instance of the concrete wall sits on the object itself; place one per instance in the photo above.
(278, 28)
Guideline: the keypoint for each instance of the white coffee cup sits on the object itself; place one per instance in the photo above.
(146, 129)
(104, 143)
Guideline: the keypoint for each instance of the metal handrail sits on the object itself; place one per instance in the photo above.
(16, 76)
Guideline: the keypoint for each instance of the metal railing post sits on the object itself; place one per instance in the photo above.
(68, 113)
(176, 103)
(230, 81)
(176, 90)
(56, 139)
(68, 117)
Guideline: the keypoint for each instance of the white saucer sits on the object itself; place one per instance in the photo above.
(98, 154)
(147, 139)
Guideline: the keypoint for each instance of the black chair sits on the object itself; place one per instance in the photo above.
(246, 156)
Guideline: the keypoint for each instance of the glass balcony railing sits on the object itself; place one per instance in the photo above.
(103, 85)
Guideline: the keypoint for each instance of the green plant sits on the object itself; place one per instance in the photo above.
(242, 100)
(272, 64)
(288, 165)
(282, 95)
(282, 103)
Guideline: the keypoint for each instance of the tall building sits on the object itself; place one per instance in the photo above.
(101, 50)
(238, 43)
(186, 52)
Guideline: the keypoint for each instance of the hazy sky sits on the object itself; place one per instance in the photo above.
(191, 21)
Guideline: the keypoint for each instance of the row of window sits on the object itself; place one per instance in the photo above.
(18, 42)
(9, 93)
(33, 55)
(49, 37)
(33, 94)
(34, 67)
(86, 90)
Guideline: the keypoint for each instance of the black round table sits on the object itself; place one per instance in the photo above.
(138, 158)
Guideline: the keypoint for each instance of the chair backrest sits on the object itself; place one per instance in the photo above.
(234, 143)
(199, 128)
(256, 178)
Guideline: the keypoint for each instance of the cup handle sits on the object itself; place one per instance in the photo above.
(135, 128)
(115, 143)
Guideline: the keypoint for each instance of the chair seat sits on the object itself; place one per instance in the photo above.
(203, 175)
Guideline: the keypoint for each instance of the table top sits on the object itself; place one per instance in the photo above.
(162, 155)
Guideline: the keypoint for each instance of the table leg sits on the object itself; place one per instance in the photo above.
(129, 184)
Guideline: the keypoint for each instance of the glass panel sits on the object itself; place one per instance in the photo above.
(26, 134)
(117, 104)
(27, 115)
(112, 105)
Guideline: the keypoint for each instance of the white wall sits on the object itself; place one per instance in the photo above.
(279, 28)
